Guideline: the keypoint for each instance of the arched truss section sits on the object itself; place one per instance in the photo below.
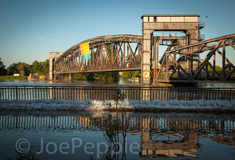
(108, 53)
(171, 70)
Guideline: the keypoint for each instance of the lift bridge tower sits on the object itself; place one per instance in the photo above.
(187, 23)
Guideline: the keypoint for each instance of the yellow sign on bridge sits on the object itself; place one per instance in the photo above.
(85, 51)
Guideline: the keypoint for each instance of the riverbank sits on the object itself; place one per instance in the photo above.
(204, 106)
(14, 77)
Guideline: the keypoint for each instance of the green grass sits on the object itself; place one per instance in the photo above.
(13, 77)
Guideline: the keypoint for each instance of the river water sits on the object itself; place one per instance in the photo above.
(65, 83)
(79, 135)
(121, 82)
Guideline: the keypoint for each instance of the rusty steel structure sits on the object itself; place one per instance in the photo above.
(171, 70)
(108, 53)
(179, 63)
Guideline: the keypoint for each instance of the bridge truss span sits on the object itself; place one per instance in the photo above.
(171, 70)
(107, 53)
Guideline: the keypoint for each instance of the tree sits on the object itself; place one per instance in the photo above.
(40, 67)
(217, 68)
(35, 67)
(3, 71)
(130, 74)
(83, 76)
(23, 68)
(46, 66)
(107, 76)
(136, 74)
(126, 74)
(12, 69)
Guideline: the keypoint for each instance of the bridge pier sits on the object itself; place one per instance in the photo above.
(146, 47)
(52, 57)
(70, 77)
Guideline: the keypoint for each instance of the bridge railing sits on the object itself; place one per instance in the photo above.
(107, 93)
(201, 25)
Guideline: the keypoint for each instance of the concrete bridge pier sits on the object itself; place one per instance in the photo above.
(52, 57)
(146, 55)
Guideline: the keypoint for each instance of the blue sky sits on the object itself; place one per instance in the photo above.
(30, 29)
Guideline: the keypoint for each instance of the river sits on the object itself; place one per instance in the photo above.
(80, 134)
(15, 82)
(77, 135)
(121, 82)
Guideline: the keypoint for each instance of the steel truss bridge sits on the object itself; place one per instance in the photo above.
(108, 53)
(179, 63)
(116, 53)
(171, 70)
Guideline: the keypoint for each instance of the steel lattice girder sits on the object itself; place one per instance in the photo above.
(195, 49)
(70, 60)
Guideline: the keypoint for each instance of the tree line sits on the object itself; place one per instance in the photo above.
(25, 69)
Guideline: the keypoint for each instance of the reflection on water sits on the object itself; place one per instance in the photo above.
(16, 82)
(158, 135)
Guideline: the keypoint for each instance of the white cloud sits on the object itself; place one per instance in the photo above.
(40, 38)
(51, 40)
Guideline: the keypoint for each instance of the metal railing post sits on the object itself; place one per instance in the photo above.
(16, 93)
